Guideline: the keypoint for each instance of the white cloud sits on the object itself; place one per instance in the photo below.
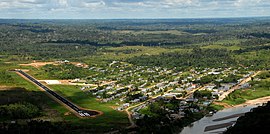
(94, 4)
(63, 3)
(133, 8)
(242, 3)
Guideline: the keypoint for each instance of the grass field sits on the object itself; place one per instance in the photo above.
(23, 90)
(110, 118)
(19, 90)
(125, 52)
(260, 89)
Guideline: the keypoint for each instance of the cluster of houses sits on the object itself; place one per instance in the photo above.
(119, 80)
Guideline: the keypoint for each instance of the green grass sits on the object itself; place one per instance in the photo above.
(216, 107)
(23, 90)
(55, 112)
(118, 53)
(110, 118)
(260, 89)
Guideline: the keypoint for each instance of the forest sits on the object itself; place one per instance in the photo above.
(179, 44)
(197, 58)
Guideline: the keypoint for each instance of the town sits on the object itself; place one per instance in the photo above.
(133, 88)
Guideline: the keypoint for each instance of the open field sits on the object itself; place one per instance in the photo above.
(110, 116)
(257, 91)
(125, 52)
(38, 64)
(119, 66)
(55, 112)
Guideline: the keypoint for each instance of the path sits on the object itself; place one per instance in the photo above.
(225, 94)
(132, 123)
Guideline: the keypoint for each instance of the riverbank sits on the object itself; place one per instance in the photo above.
(218, 122)
(248, 102)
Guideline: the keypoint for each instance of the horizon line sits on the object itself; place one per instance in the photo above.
(161, 18)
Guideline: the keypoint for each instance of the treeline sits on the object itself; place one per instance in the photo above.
(35, 127)
(46, 127)
(261, 35)
(23, 110)
(250, 49)
(48, 51)
(84, 42)
(197, 58)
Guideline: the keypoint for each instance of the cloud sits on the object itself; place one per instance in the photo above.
(132, 8)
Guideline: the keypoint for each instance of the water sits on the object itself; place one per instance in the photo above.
(199, 126)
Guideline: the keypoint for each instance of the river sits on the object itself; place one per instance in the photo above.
(217, 123)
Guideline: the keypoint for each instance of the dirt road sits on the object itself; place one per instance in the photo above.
(225, 94)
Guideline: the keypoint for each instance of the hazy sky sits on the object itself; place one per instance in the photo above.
(105, 9)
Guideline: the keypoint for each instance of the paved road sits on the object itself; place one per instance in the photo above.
(79, 111)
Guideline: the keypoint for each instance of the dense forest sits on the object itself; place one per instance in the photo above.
(43, 39)
(197, 58)
(182, 44)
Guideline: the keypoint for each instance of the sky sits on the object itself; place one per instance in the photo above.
(119, 9)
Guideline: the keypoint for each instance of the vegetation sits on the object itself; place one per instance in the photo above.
(164, 44)
(5, 77)
(264, 75)
(197, 58)
(156, 118)
(214, 107)
(202, 93)
(231, 79)
(19, 111)
(258, 89)
(111, 119)
(35, 126)
(64, 71)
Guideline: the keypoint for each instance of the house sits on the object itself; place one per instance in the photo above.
(135, 100)
(215, 93)
(126, 105)
(191, 100)
(210, 87)
(214, 73)
(169, 95)
(206, 103)
(143, 98)
(245, 85)
(179, 89)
